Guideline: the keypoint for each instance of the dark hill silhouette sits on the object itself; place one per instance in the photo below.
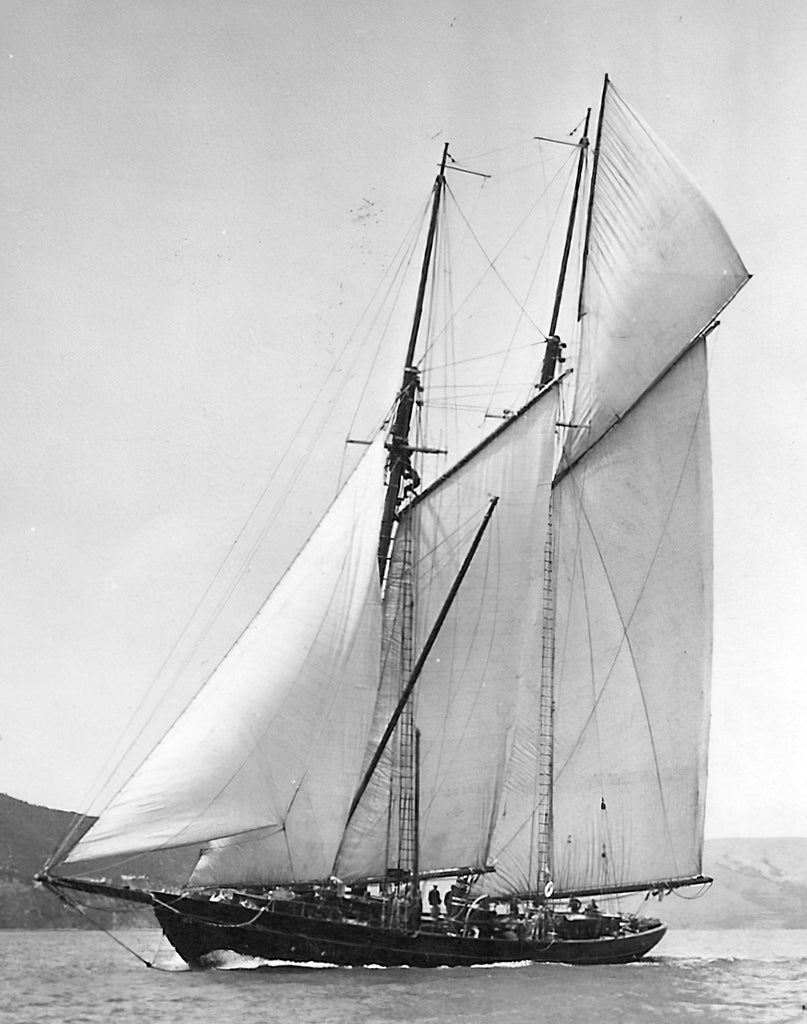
(30, 833)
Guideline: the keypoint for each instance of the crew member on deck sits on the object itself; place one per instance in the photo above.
(435, 901)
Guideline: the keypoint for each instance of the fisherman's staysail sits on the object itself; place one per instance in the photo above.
(482, 664)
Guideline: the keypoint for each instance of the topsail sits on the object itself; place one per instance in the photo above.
(659, 268)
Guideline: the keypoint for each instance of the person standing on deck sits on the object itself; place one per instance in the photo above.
(435, 901)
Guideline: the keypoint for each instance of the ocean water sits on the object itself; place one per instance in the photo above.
(84, 978)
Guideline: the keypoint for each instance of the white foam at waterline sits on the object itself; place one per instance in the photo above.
(507, 963)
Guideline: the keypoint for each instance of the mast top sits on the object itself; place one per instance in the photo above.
(443, 161)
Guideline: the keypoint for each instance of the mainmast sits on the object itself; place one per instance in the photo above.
(400, 450)
(546, 708)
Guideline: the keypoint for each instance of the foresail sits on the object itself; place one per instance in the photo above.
(486, 654)
(267, 755)
(659, 268)
(633, 643)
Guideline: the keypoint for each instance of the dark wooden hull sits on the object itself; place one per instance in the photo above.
(197, 927)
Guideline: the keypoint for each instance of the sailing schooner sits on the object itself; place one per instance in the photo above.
(501, 678)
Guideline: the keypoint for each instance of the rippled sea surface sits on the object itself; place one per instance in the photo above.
(84, 978)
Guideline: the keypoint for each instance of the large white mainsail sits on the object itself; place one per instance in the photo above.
(633, 501)
(483, 658)
(633, 644)
(270, 748)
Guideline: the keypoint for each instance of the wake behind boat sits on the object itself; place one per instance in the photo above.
(499, 679)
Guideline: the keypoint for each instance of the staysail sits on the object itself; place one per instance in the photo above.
(267, 755)
(472, 685)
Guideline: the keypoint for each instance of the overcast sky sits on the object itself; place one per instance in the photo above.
(197, 201)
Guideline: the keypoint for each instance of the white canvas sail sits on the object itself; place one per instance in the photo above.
(633, 643)
(659, 268)
(467, 696)
(633, 551)
(271, 746)
(369, 846)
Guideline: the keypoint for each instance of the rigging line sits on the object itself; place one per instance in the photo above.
(94, 788)
(536, 270)
(486, 355)
(169, 843)
(525, 142)
(491, 262)
(455, 679)
(626, 626)
(188, 657)
(403, 256)
(208, 623)
(399, 274)
(465, 407)
(534, 163)
(584, 584)
(219, 924)
(483, 389)
(460, 532)
(248, 752)
(219, 607)
(625, 639)
(79, 909)
(424, 654)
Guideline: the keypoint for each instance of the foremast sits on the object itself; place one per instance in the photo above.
(400, 466)
(403, 839)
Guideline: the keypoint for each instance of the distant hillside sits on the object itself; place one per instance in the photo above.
(759, 883)
(29, 834)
